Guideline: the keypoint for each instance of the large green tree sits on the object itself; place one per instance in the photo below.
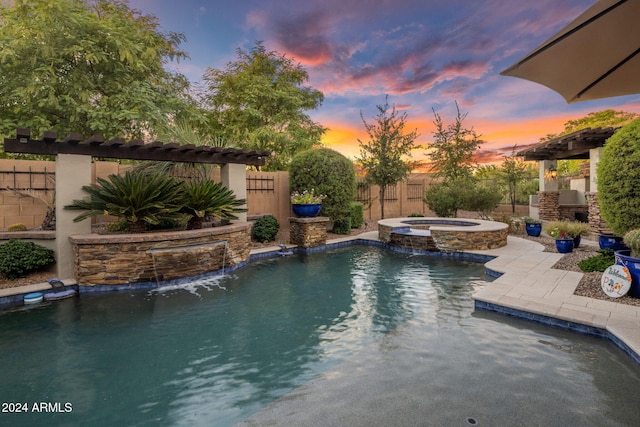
(260, 101)
(384, 158)
(452, 159)
(453, 148)
(92, 67)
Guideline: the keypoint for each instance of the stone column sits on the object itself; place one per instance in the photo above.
(549, 205)
(546, 182)
(595, 219)
(594, 159)
(72, 172)
(234, 177)
(308, 232)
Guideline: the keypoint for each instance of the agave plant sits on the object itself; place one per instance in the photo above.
(205, 197)
(136, 197)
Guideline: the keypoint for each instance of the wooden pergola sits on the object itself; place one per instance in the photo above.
(73, 171)
(575, 145)
(118, 148)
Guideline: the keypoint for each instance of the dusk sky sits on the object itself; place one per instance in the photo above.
(424, 54)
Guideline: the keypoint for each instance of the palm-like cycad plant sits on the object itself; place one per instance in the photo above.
(136, 197)
(205, 197)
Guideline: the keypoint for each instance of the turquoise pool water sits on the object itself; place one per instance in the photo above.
(213, 353)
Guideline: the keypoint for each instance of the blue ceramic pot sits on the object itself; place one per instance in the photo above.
(610, 241)
(564, 246)
(533, 229)
(624, 258)
(306, 210)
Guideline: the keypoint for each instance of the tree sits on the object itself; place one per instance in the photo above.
(452, 160)
(87, 67)
(512, 171)
(596, 119)
(383, 157)
(259, 101)
(453, 148)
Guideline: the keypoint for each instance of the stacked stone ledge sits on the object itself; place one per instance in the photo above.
(308, 232)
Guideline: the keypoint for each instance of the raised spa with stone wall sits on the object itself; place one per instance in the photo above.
(129, 259)
(442, 234)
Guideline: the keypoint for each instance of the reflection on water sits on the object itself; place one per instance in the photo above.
(215, 351)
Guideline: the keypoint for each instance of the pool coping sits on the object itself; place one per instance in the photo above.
(525, 286)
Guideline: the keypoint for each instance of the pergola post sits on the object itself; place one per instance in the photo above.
(234, 177)
(72, 172)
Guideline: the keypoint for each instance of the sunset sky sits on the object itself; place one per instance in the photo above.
(424, 54)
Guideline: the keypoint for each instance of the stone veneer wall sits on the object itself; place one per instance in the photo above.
(308, 232)
(595, 219)
(120, 259)
(549, 205)
(451, 241)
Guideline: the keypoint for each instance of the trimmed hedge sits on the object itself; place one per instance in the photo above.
(19, 258)
(265, 229)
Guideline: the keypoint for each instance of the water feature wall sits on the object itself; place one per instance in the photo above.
(117, 259)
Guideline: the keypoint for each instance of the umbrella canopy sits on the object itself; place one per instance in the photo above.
(595, 56)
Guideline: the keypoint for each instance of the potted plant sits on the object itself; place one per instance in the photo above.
(630, 258)
(532, 226)
(560, 230)
(306, 203)
(577, 230)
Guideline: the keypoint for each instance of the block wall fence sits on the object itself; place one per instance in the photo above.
(267, 193)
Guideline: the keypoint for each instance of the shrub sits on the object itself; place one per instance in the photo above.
(329, 173)
(618, 178)
(265, 229)
(632, 240)
(357, 214)
(444, 200)
(19, 258)
(415, 215)
(207, 198)
(137, 197)
(342, 226)
(600, 262)
(17, 227)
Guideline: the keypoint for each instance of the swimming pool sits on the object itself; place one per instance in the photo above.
(366, 327)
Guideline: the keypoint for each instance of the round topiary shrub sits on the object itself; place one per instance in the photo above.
(19, 258)
(265, 229)
(17, 227)
(326, 172)
(619, 179)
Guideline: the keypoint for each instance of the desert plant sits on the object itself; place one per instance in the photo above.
(137, 197)
(265, 229)
(529, 220)
(600, 262)
(632, 240)
(618, 178)
(357, 214)
(329, 173)
(207, 198)
(17, 227)
(558, 229)
(19, 258)
(579, 229)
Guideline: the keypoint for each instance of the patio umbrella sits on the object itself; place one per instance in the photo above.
(595, 56)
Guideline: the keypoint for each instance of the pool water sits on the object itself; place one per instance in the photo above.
(215, 352)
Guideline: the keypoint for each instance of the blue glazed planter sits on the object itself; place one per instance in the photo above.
(633, 264)
(533, 229)
(576, 241)
(306, 211)
(564, 246)
(610, 241)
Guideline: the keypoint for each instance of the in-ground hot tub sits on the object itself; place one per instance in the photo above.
(442, 234)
